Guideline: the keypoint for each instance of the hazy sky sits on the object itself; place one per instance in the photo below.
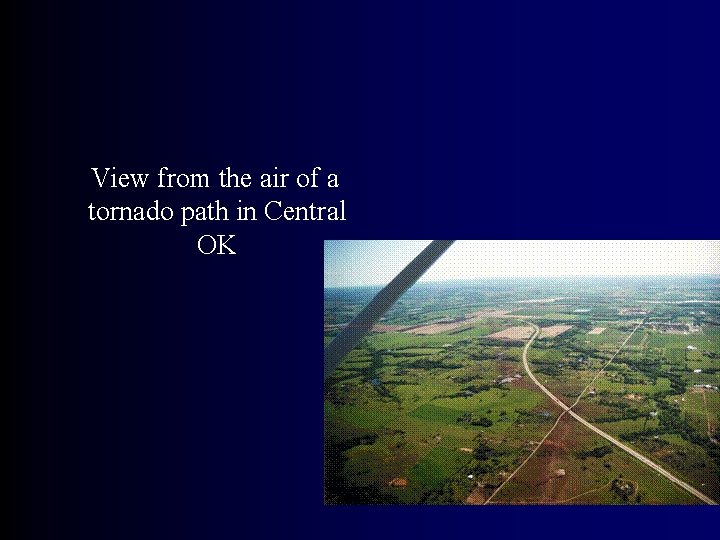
(374, 262)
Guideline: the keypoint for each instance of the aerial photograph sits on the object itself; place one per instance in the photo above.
(522, 372)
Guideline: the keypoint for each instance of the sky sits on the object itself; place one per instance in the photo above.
(375, 262)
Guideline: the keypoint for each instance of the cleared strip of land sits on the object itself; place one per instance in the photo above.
(554, 330)
(514, 333)
(568, 409)
(437, 328)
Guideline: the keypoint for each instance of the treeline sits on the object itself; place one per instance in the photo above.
(470, 390)
(487, 457)
(547, 368)
(338, 488)
(625, 414)
(598, 452)
(481, 421)
(431, 363)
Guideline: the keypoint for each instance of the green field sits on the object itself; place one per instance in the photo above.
(435, 468)
(434, 413)
(441, 419)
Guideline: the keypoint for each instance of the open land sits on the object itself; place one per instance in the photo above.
(450, 414)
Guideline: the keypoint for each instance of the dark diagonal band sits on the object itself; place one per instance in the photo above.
(359, 327)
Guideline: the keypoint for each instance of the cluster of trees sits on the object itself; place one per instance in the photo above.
(475, 388)
(548, 368)
(479, 352)
(338, 488)
(598, 452)
(384, 392)
(465, 378)
(431, 363)
(623, 411)
(525, 417)
(470, 390)
(625, 414)
(481, 421)
(453, 492)
(672, 421)
(487, 457)
(337, 395)
(623, 489)
(652, 369)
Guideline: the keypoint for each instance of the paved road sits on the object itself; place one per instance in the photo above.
(687, 487)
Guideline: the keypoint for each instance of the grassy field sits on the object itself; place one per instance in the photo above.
(414, 419)
(437, 466)
(587, 479)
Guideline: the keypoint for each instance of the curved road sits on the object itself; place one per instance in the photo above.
(687, 487)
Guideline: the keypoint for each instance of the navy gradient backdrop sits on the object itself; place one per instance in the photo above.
(158, 393)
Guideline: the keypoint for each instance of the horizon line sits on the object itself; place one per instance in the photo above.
(591, 276)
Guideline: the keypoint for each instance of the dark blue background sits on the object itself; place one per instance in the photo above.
(158, 393)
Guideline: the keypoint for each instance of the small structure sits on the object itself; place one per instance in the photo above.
(623, 488)
(653, 413)
(691, 348)
(398, 482)
(697, 370)
(559, 472)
